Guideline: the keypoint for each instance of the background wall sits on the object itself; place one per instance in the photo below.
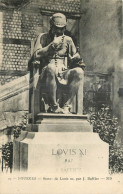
(101, 43)
(14, 102)
(17, 30)
(101, 34)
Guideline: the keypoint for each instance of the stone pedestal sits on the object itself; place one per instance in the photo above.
(48, 122)
(63, 144)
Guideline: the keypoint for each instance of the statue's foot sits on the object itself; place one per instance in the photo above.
(66, 109)
(55, 109)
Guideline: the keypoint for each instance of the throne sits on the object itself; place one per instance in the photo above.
(36, 102)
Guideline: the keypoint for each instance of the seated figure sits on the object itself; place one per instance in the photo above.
(61, 66)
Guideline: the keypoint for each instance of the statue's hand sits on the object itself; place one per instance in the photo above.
(75, 57)
(57, 40)
(59, 47)
(57, 43)
(76, 61)
(55, 47)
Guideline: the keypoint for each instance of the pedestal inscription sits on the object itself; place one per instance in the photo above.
(70, 152)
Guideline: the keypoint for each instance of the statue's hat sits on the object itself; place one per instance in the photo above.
(59, 20)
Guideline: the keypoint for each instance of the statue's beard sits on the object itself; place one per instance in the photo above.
(53, 34)
(58, 34)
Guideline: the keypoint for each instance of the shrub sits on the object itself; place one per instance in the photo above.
(7, 154)
(7, 149)
(106, 125)
(116, 159)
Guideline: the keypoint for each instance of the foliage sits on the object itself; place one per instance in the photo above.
(22, 126)
(116, 159)
(106, 125)
(7, 154)
(7, 149)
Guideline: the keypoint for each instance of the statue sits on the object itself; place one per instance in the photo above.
(62, 67)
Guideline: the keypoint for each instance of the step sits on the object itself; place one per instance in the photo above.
(49, 116)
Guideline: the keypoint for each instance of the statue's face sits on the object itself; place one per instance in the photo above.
(57, 31)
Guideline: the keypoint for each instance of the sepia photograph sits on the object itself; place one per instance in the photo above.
(61, 96)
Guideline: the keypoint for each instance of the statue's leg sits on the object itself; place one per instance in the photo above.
(51, 87)
(74, 78)
(51, 84)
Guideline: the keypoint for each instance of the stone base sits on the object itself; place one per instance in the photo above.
(47, 122)
(62, 152)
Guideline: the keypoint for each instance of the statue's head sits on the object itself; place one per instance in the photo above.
(58, 23)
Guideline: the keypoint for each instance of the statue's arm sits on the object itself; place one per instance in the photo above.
(75, 59)
(40, 51)
(72, 48)
(54, 46)
(73, 54)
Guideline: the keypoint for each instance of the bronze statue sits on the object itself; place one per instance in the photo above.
(62, 67)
